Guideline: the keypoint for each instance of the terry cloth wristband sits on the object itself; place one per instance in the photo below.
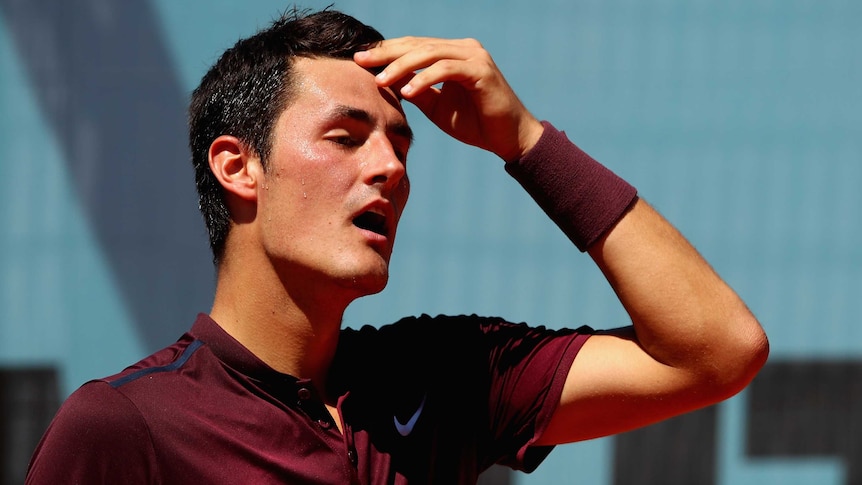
(583, 197)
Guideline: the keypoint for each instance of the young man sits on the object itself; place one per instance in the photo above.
(300, 146)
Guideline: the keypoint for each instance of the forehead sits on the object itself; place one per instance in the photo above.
(324, 84)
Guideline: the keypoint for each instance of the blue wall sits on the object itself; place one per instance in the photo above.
(740, 120)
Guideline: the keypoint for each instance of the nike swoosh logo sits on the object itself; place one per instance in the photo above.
(405, 429)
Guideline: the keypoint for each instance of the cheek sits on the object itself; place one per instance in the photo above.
(400, 195)
(278, 213)
(323, 172)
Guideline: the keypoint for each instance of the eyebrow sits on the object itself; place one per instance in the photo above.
(398, 128)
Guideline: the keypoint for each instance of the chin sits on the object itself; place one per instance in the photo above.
(378, 285)
(367, 284)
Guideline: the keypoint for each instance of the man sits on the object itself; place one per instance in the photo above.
(300, 146)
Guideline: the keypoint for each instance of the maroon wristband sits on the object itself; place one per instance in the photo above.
(583, 197)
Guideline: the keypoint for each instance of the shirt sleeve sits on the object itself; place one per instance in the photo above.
(492, 387)
(97, 437)
(527, 369)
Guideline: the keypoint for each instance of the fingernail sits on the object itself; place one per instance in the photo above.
(382, 76)
(360, 54)
(406, 90)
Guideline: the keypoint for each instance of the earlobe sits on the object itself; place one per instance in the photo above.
(234, 165)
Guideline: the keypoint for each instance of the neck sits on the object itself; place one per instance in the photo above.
(291, 325)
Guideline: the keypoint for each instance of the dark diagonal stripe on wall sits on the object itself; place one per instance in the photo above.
(107, 87)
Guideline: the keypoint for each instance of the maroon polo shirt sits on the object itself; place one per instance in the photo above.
(424, 400)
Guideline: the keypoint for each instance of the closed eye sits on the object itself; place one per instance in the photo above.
(345, 140)
(401, 156)
(400, 147)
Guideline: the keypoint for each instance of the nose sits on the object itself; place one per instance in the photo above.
(384, 167)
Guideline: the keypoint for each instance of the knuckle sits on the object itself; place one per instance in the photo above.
(471, 42)
(447, 65)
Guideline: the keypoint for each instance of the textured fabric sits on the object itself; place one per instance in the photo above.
(205, 410)
(583, 197)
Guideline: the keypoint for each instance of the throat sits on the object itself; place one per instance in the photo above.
(336, 417)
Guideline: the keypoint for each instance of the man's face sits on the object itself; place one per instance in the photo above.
(336, 181)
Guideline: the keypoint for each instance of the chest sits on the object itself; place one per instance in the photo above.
(251, 434)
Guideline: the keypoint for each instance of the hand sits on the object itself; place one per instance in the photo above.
(475, 104)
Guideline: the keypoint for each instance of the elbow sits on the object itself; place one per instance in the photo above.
(740, 359)
(756, 352)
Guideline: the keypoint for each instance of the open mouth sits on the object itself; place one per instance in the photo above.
(371, 221)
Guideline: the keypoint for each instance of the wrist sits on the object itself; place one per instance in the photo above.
(583, 197)
(528, 136)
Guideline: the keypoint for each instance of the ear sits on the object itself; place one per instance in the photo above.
(235, 166)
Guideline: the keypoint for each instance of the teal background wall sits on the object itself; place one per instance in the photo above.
(740, 120)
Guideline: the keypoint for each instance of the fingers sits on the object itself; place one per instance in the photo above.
(426, 62)
(457, 85)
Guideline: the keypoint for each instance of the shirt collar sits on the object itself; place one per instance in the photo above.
(234, 354)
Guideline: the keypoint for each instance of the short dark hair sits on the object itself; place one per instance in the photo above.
(246, 90)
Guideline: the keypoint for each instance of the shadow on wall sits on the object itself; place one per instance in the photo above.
(29, 397)
(796, 409)
(106, 86)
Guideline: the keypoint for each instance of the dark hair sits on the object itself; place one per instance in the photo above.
(250, 85)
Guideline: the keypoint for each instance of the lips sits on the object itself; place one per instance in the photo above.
(376, 217)
(371, 221)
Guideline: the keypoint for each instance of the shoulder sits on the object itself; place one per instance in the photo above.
(457, 342)
(427, 330)
(97, 432)
(97, 409)
(442, 324)
(102, 432)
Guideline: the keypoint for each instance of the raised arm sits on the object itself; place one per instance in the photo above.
(692, 342)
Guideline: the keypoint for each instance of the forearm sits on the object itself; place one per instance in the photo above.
(684, 314)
